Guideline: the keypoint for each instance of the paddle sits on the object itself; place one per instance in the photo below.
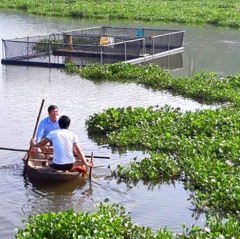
(90, 170)
(34, 133)
(27, 150)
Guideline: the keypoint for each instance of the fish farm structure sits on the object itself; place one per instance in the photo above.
(87, 46)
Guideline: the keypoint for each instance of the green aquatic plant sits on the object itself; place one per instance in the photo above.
(109, 221)
(202, 87)
(112, 221)
(214, 12)
(215, 227)
(190, 146)
(153, 168)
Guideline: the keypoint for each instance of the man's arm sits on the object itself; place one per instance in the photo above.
(40, 131)
(39, 144)
(81, 155)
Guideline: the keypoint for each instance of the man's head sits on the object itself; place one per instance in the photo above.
(53, 112)
(64, 122)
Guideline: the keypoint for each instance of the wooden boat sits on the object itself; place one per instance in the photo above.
(40, 169)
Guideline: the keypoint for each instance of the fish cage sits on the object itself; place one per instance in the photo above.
(87, 46)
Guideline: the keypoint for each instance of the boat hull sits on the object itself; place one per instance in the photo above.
(40, 169)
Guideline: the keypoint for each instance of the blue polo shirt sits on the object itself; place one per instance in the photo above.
(45, 126)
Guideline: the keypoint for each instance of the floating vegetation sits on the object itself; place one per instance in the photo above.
(203, 88)
(112, 221)
(192, 147)
(189, 146)
(214, 12)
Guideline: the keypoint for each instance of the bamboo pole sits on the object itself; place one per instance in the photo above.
(90, 170)
(34, 133)
(26, 150)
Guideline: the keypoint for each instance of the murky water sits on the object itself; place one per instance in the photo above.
(23, 88)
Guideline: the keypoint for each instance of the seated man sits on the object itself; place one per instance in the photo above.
(46, 125)
(63, 141)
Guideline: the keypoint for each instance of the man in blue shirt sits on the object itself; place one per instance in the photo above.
(47, 124)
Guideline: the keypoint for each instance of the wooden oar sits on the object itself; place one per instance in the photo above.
(90, 170)
(27, 150)
(34, 133)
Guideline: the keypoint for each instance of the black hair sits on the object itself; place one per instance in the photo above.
(64, 122)
(52, 107)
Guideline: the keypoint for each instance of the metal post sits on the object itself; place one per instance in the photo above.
(27, 45)
(104, 30)
(3, 47)
(125, 50)
(153, 46)
(49, 52)
(144, 46)
(101, 55)
(169, 42)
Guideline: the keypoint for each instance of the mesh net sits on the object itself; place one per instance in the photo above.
(93, 45)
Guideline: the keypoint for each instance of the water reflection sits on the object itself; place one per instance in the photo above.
(56, 188)
(55, 196)
(164, 205)
(171, 62)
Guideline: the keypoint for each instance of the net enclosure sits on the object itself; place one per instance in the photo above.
(102, 44)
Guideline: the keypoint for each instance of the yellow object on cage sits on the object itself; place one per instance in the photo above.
(104, 41)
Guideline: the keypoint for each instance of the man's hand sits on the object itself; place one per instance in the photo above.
(32, 142)
(90, 164)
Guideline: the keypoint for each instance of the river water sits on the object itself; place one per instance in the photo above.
(22, 90)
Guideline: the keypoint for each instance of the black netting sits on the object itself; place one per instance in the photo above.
(97, 44)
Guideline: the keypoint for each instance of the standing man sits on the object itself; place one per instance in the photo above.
(63, 141)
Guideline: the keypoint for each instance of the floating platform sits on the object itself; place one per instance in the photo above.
(87, 46)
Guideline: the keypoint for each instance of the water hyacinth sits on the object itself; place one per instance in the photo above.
(220, 13)
(112, 221)
(192, 147)
(197, 144)
(204, 88)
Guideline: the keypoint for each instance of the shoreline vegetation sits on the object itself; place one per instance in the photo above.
(214, 12)
(192, 147)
